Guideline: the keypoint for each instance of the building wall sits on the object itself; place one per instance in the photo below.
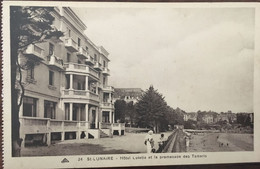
(39, 88)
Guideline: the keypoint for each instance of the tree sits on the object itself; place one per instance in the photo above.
(175, 117)
(28, 25)
(151, 109)
(130, 112)
(120, 110)
(190, 124)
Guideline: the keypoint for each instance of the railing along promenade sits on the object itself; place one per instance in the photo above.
(170, 143)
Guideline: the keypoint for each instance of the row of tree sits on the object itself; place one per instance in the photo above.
(151, 111)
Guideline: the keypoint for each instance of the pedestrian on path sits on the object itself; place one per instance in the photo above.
(149, 141)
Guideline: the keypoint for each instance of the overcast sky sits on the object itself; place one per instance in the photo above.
(199, 59)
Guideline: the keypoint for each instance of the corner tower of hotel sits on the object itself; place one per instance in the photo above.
(67, 95)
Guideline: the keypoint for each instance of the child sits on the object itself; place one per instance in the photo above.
(161, 143)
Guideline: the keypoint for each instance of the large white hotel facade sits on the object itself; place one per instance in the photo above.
(67, 95)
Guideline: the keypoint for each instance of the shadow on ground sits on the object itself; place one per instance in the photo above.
(71, 149)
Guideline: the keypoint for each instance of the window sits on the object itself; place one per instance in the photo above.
(79, 86)
(95, 57)
(30, 73)
(51, 49)
(67, 77)
(29, 106)
(105, 117)
(86, 48)
(69, 32)
(79, 41)
(104, 63)
(51, 78)
(104, 81)
(49, 109)
(68, 57)
(67, 111)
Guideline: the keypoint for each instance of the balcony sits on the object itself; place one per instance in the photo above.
(71, 45)
(55, 62)
(80, 94)
(107, 105)
(81, 68)
(98, 66)
(82, 53)
(106, 71)
(34, 52)
(90, 60)
(99, 85)
(31, 125)
(108, 89)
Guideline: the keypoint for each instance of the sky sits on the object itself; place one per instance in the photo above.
(197, 58)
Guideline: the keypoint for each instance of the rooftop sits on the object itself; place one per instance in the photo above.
(133, 92)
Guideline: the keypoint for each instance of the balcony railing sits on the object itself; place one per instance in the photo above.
(34, 51)
(57, 125)
(93, 72)
(104, 125)
(45, 125)
(93, 96)
(107, 105)
(84, 94)
(90, 60)
(98, 66)
(56, 62)
(69, 125)
(82, 52)
(71, 45)
(81, 68)
(118, 126)
(108, 89)
(106, 71)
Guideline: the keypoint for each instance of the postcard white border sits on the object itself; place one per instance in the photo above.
(55, 161)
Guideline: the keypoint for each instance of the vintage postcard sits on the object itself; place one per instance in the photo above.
(88, 84)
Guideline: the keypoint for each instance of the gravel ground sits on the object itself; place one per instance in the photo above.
(130, 143)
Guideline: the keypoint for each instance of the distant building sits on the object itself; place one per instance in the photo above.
(208, 118)
(190, 116)
(229, 117)
(128, 94)
(223, 117)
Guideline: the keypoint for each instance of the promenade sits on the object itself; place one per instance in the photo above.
(128, 144)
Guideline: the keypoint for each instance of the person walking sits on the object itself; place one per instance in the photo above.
(149, 142)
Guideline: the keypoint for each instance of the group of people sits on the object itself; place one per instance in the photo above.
(150, 143)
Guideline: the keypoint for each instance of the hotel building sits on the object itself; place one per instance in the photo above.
(67, 95)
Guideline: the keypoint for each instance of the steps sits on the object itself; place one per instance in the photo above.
(103, 134)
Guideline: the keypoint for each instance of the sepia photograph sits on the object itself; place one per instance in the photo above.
(129, 82)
